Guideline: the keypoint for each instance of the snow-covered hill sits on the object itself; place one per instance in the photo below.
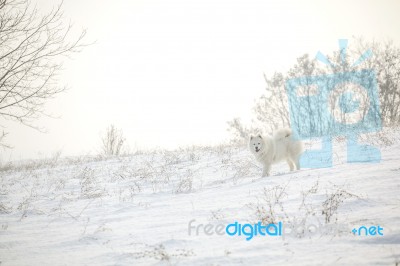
(138, 210)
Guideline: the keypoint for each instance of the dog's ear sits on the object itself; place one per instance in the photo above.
(259, 135)
(251, 137)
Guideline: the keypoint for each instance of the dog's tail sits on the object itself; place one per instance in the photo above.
(283, 133)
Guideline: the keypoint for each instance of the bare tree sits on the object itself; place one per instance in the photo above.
(112, 141)
(31, 51)
(386, 63)
(3, 135)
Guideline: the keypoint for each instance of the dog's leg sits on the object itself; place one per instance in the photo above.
(266, 169)
(297, 162)
(290, 163)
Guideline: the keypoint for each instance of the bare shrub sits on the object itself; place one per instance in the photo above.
(171, 157)
(217, 215)
(244, 167)
(90, 187)
(25, 205)
(185, 184)
(240, 133)
(127, 193)
(159, 252)
(112, 141)
(332, 203)
(4, 209)
(269, 208)
(306, 204)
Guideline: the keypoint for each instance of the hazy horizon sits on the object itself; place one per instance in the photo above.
(172, 73)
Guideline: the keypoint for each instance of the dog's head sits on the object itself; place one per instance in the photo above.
(256, 144)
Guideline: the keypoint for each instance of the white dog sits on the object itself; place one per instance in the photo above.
(280, 146)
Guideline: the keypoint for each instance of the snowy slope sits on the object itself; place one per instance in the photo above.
(135, 210)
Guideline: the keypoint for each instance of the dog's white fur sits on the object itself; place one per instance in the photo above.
(281, 146)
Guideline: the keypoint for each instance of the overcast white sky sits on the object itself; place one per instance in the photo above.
(171, 73)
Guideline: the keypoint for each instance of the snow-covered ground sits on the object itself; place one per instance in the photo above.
(136, 210)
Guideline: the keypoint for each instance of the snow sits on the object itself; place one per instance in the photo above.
(135, 210)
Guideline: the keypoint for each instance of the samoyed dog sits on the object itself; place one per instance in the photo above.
(281, 146)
